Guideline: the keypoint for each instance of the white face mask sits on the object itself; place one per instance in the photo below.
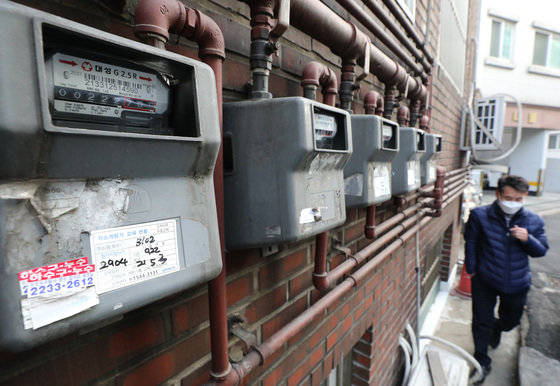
(510, 207)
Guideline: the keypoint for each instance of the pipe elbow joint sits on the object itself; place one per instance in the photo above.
(315, 74)
(424, 123)
(158, 18)
(369, 232)
(203, 30)
(374, 103)
(403, 116)
(321, 281)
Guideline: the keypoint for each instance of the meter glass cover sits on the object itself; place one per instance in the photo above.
(387, 133)
(325, 130)
(106, 91)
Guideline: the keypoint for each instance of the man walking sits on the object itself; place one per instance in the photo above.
(499, 238)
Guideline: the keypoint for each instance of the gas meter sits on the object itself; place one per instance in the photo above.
(428, 160)
(284, 177)
(107, 200)
(406, 164)
(367, 175)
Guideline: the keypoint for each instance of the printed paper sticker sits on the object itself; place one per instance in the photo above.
(129, 255)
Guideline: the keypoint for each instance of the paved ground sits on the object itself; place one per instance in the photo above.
(527, 355)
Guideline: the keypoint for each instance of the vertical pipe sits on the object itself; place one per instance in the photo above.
(154, 19)
(315, 74)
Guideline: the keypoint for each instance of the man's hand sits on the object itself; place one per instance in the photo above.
(519, 233)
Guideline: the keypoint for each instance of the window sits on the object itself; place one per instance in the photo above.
(546, 51)
(409, 7)
(501, 41)
(490, 113)
(554, 142)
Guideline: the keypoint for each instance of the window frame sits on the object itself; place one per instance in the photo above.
(550, 36)
(556, 147)
(503, 22)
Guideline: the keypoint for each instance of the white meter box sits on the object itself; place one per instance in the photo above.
(284, 178)
(107, 148)
(367, 175)
(406, 164)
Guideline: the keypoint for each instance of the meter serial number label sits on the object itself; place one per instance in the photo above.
(128, 255)
(87, 86)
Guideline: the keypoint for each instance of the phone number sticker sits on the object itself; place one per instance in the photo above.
(129, 255)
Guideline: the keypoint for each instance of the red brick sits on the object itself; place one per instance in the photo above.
(354, 232)
(190, 314)
(301, 283)
(200, 376)
(281, 269)
(266, 304)
(154, 372)
(283, 318)
(239, 289)
(140, 336)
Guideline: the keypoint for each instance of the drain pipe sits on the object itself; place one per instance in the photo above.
(154, 19)
(373, 104)
(313, 75)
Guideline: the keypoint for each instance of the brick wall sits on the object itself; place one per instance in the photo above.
(169, 341)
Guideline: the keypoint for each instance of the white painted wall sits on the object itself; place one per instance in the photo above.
(529, 156)
(528, 87)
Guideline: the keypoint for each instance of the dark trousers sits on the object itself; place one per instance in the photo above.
(483, 304)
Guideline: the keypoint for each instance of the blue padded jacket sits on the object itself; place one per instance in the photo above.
(498, 258)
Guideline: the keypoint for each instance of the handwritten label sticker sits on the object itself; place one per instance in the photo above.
(129, 255)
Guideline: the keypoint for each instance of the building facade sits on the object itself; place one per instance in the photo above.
(517, 58)
(345, 333)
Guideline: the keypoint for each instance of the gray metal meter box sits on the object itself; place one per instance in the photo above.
(367, 175)
(406, 164)
(107, 149)
(284, 174)
(428, 160)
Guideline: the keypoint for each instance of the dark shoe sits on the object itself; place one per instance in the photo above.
(495, 338)
(485, 372)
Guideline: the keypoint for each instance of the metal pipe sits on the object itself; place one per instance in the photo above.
(403, 116)
(381, 14)
(369, 228)
(315, 74)
(402, 19)
(368, 22)
(154, 19)
(343, 38)
(373, 103)
(265, 350)
(437, 192)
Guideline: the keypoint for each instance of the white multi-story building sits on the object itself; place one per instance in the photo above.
(518, 54)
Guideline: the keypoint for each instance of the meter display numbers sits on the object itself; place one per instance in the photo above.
(128, 255)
